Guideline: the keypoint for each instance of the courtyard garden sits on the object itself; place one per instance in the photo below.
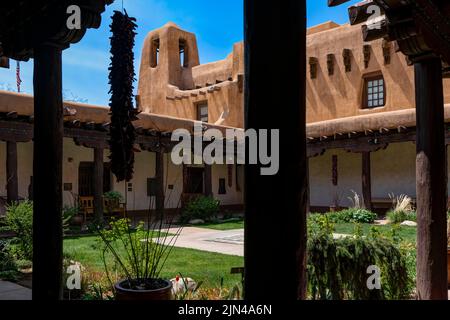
(341, 246)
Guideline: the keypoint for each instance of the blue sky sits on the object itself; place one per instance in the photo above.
(217, 24)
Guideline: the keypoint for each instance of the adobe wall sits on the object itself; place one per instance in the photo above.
(171, 89)
(169, 86)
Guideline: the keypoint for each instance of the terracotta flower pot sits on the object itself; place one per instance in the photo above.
(125, 294)
(77, 220)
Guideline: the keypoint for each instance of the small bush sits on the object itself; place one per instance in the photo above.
(402, 209)
(401, 216)
(8, 266)
(204, 208)
(19, 219)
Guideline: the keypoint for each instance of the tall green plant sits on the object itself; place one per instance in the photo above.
(337, 268)
(19, 219)
(139, 253)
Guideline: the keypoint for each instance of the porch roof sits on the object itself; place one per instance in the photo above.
(22, 105)
(383, 121)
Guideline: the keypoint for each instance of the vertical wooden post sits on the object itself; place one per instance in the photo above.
(431, 182)
(12, 186)
(159, 203)
(366, 178)
(98, 184)
(284, 251)
(308, 197)
(208, 181)
(47, 167)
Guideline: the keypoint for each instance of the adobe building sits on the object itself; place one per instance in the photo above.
(360, 113)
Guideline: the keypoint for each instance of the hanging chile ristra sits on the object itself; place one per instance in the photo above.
(123, 112)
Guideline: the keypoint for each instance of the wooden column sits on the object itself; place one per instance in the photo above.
(159, 203)
(431, 173)
(98, 184)
(366, 178)
(308, 197)
(47, 167)
(208, 181)
(276, 205)
(12, 186)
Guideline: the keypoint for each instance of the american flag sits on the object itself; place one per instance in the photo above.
(19, 81)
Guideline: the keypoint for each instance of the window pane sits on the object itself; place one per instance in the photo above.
(375, 89)
(381, 82)
(381, 95)
(381, 102)
(370, 103)
(375, 96)
(370, 90)
(375, 83)
(370, 84)
(370, 96)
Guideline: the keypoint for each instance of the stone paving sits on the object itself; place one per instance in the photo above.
(12, 291)
(229, 242)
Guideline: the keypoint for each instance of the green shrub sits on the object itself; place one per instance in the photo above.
(19, 219)
(401, 216)
(8, 266)
(349, 215)
(337, 268)
(67, 215)
(114, 196)
(204, 208)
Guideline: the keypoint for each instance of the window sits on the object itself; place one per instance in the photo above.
(183, 54)
(202, 112)
(374, 92)
(155, 53)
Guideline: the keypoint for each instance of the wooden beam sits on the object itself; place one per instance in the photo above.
(333, 3)
(361, 12)
(12, 185)
(285, 250)
(366, 178)
(375, 30)
(47, 173)
(431, 173)
(98, 184)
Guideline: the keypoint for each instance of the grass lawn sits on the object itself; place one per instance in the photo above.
(231, 225)
(406, 233)
(198, 265)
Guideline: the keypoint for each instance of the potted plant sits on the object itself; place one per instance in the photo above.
(113, 200)
(72, 215)
(140, 255)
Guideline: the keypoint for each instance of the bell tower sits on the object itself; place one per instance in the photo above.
(168, 56)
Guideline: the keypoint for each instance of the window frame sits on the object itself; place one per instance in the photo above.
(366, 80)
(199, 106)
